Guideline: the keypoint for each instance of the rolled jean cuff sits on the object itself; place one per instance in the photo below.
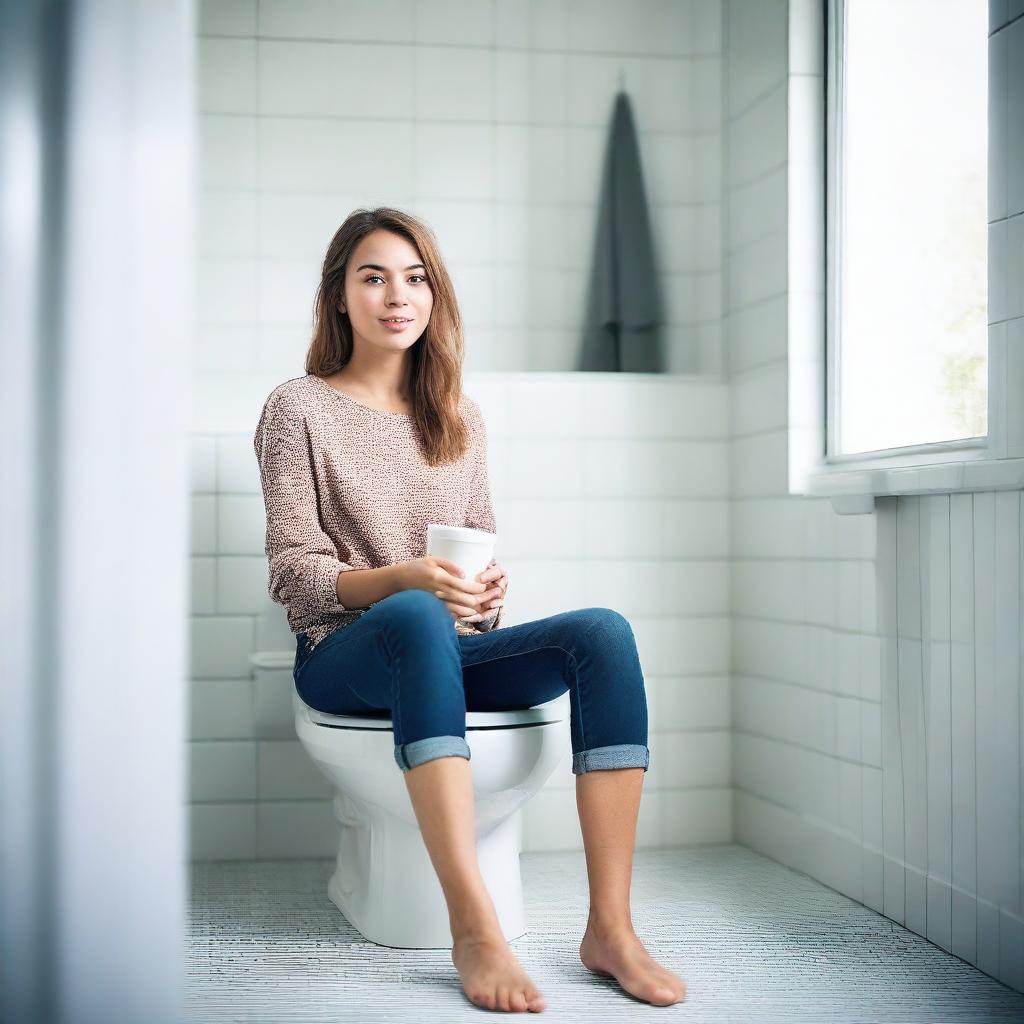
(621, 755)
(409, 755)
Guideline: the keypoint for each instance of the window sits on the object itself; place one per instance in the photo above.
(906, 228)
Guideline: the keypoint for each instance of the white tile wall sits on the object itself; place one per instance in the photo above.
(876, 700)
(491, 126)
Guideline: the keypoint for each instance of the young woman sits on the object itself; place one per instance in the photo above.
(356, 458)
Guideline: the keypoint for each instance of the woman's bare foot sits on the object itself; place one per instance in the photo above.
(620, 954)
(492, 977)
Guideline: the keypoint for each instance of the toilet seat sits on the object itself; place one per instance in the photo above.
(556, 710)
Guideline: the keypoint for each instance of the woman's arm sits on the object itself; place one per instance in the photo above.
(359, 588)
(303, 561)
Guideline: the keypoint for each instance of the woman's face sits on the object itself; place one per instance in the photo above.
(386, 278)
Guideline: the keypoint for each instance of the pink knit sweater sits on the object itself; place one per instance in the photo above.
(346, 487)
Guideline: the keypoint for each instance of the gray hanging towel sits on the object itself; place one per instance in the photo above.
(622, 329)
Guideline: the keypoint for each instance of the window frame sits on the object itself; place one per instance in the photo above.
(854, 480)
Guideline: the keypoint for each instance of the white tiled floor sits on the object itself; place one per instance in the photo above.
(754, 941)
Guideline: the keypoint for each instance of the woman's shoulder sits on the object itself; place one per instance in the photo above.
(296, 397)
(294, 390)
(289, 407)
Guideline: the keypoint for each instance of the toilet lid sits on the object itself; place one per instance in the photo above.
(556, 710)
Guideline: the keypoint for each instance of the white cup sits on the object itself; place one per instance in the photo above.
(470, 549)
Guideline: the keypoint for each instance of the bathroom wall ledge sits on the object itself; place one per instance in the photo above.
(854, 490)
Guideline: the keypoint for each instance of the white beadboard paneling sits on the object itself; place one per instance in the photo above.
(1007, 736)
(911, 712)
(935, 612)
(963, 710)
(893, 786)
(986, 729)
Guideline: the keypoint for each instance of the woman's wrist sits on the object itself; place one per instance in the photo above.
(399, 577)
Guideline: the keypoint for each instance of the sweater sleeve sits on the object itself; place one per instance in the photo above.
(302, 560)
(480, 513)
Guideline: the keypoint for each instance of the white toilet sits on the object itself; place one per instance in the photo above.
(384, 882)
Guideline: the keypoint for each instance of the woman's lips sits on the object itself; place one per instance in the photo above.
(396, 327)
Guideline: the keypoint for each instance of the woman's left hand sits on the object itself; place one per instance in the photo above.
(494, 572)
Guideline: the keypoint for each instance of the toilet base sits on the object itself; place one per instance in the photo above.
(386, 887)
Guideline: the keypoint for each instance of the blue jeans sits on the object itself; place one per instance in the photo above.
(403, 658)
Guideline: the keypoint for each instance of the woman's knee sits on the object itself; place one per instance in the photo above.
(411, 608)
(605, 623)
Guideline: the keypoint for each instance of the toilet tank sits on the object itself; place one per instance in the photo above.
(273, 686)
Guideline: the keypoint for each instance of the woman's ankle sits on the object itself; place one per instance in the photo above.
(476, 925)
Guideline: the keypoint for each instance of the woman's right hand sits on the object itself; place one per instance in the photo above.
(445, 580)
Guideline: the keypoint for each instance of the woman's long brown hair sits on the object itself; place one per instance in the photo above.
(434, 361)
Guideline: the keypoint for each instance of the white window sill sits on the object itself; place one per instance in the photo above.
(853, 485)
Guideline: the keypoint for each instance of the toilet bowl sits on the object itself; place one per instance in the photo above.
(384, 882)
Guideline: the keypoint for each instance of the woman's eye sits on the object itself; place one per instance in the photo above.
(377, 277)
